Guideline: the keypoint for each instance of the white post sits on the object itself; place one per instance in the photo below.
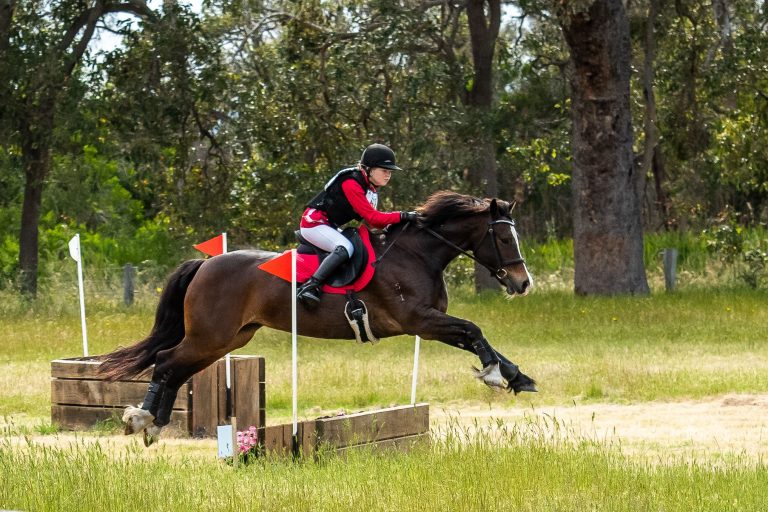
(74, 251)
(228, 357)
(415, 370)
(294, 345)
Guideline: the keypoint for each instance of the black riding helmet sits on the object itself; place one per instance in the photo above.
(379, 155)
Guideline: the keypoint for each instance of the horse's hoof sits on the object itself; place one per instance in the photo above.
(531, 388)
(491, 376)
(151, 434)
(135, 420)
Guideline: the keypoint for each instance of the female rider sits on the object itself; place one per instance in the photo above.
(350, 195)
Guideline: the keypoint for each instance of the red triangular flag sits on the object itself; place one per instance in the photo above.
(280, 266)
(212, 247)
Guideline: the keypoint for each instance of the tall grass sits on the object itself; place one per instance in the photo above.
(512, 470)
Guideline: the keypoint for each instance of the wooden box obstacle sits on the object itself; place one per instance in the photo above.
(399, 428)
(80, 397)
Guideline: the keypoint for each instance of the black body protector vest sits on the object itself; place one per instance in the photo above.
(334, 203)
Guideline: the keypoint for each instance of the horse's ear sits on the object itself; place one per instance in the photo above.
(494, 209)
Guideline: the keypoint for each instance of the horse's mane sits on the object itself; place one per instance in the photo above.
(444, 204)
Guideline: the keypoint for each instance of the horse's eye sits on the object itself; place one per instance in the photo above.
(504, 241)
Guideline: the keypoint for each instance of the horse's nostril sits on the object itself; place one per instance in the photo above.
(525, 285)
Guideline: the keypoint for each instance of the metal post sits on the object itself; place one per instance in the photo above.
(129, 272)
(670, 268)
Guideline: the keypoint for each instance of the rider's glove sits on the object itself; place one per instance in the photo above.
(409, 217)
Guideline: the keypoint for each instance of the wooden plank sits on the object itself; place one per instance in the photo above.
(277, 439)
(87, 368)
(372, 426)
(248, 391)
(307, 437)
(400, 444)
(205, 403)
(75, 417)
(105, 393)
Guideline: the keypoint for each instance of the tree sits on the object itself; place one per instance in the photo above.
(608, 236)
(42, 45)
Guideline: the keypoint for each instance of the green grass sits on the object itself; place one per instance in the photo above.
(691, 344)
(696, 343)
(518, 469)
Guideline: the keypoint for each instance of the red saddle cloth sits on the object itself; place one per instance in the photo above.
(306, 264)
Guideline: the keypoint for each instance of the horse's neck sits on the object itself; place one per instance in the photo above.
(426, 246)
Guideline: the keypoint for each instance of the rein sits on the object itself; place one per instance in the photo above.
(376, 262)
(498, 272)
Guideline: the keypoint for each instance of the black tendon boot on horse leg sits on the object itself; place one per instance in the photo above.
(517, 381)
(163, 414)
(309, 293)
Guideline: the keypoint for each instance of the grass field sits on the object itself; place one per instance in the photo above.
(684, 345)
(518, 471)
(696, 343)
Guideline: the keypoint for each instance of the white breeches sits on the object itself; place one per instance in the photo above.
(326, 238)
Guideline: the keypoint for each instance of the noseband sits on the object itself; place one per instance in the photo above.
(498, 272)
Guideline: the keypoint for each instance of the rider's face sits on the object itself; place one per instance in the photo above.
(379, 176)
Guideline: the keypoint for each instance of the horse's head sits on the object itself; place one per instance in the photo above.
(487, 230)
(499, 250)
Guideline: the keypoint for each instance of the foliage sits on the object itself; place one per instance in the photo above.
(742, 250)
(230, 119)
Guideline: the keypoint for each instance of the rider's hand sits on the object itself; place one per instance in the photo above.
(409, 217)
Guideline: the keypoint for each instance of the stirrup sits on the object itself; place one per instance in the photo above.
(309, 293)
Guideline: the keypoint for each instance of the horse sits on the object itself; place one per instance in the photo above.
(211, 307)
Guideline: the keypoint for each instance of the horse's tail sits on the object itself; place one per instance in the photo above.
(167, 332)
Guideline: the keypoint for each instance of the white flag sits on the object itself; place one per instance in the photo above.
(74, 247)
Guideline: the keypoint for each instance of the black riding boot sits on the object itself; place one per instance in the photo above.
(309, 293)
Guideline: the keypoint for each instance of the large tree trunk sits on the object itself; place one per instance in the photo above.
(484, 30)
(608, 235)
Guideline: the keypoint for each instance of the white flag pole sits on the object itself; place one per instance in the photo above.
(294, 345)
(228, 357)
(74, 251)
(415, 370)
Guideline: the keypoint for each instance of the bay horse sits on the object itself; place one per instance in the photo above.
(211, 307)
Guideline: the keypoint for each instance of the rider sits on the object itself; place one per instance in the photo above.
(350, 195)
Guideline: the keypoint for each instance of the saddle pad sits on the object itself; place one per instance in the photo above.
(306, 264)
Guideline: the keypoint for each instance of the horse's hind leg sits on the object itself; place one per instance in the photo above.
(172, 369)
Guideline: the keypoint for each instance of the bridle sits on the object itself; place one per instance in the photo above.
(499, 272)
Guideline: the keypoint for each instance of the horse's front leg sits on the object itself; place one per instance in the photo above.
(497, 371)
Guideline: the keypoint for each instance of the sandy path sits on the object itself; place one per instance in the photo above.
(730, 425)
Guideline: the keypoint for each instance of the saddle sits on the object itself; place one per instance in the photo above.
(354, 275)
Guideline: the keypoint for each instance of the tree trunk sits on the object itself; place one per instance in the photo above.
(37, 162)
(483, 30)
(608, 235)
(28, 238)
(652, 158)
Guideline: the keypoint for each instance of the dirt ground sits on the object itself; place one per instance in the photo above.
(731, 426)
(727, 427)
